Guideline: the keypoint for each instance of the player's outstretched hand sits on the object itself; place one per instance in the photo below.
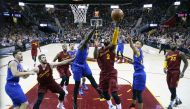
(96, 43)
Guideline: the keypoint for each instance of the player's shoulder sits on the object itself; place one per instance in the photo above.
(12, 63)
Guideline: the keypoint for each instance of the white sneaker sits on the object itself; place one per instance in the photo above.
(59, 106)
(65, 90)
(112, 107)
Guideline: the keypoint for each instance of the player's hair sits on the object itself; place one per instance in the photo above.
(15, 52)
(40, 56)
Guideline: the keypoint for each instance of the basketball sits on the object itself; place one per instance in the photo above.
(117, 15)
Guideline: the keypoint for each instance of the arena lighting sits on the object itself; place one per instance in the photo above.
(43, 25)
(114, 7)
(177, 3)
(153, 25)
(21, 4)
(82, 7)
(147, 6)
(49, 6)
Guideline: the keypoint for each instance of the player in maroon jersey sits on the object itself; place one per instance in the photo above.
(46, 82)
(172, 69)
(34, 51)
(108, 76)
(64, 69)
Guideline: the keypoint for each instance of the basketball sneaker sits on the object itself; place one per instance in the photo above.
(112, 107)
(169, 107)
(84, 86)
(60, 106)
(177, 102)
(81, 91)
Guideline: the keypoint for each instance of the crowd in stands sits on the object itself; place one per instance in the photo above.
(12, 34)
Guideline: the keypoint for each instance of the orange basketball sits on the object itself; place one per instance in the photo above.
(117, 15)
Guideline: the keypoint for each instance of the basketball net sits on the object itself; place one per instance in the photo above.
(79, 12)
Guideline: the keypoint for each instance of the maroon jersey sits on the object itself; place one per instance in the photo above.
(63, 56)
(106, 59)
(34, 44)
(173, 60)
(45, 75)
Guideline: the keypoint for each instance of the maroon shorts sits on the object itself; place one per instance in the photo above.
(173, 78)
(34, 52)
(52, 86)
(63, 72)
(108, 81)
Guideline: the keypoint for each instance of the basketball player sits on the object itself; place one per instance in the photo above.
(46, 82)
(108, 76)
(12, 87)
(72, 52)
(64, 69)
(139, 76)
(34, 51)
(172, 69)
(120, 48)
(81, 69)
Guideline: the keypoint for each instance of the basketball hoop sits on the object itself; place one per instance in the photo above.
(79, 12)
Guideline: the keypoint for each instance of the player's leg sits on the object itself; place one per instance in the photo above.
(140, 99)
(121, 52)
(134, 98)
(114, 89)
(24, 105)
(161, 47)
(63, 83)
(172, 87)
(77, 75)
(108, 99)
(75, 94)
(39, 100)
(63, 80)
(94, 84)
(84, 86)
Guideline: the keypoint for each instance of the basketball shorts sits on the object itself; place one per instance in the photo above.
(63, 72)
(52, 86)
(139, 80)
(120, 49)
(34, 52)
(80, 70)
(173, 78)
(15, 92)
(108, 81)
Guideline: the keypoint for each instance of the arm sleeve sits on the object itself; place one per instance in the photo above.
(115, 36)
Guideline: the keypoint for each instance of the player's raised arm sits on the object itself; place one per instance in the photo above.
(135, 50)
(62, 62)
(183, 57)
(87, 38)
(96, 49)
(115, 34)
(165, 65)
(13, 67)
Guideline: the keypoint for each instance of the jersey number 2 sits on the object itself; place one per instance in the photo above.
(108, 56)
